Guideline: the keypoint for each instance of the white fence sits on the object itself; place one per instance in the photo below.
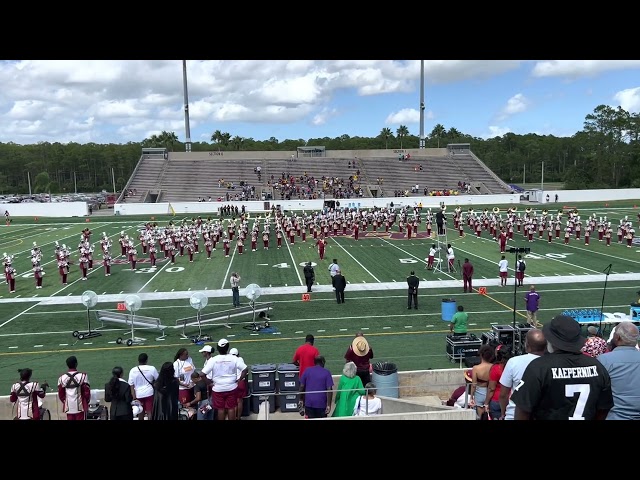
(53, 209)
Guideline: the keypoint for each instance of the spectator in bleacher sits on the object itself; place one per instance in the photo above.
(360, 353)
(141, 380)
(183, 367)
(350, 387)
(305, 354)
(595, 345)
(166, 394)
(623, 365)
(117, 392)
(316, 390)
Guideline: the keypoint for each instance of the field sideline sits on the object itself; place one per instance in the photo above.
(36, 325)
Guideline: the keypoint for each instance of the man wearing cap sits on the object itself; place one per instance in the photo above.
(564, 384)
(623, 365)
(207, 369)
(225, 378)
(360, 353)
(309, 276)
(535, 346)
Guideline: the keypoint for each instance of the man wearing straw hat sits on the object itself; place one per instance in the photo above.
(360, 353)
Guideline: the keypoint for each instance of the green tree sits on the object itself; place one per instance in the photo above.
(386, 134)
(42, 183)
(402, 132)
(438, 132)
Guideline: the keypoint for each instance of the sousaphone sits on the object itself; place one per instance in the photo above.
(496, 210)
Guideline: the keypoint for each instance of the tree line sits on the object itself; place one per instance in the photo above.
(604, 154)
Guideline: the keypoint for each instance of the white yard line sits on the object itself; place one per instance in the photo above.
(354, 258)
(226, 274)
(293, 261)
(18, 315)
(168, 262)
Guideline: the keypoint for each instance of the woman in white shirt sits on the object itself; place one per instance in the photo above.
(183, 367)
(368, 404)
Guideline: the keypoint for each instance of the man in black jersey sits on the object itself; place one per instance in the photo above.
(565, 384)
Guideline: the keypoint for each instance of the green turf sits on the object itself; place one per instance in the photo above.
(39, 336)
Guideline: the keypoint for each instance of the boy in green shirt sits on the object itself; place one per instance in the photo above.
(458, 325)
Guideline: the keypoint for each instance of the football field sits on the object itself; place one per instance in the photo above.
(36, 325)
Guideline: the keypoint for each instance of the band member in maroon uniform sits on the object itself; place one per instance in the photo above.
(181, 245)
(409, 229)
(356, 230)
(240, 245)
(123, 244)
(265, 241)
(133, 257)
(208, 246)
(171, 248)
(27, 395)
(143, 242)
(106, 263)
(74, 391)
(10, 274)
(196, 245)
(279, 237)
(292, 236)
(587, 234)
(84, 265)
(321, 243)
(254, 241)
(152, 254)
(503, 241)
(226, 244)
(63, 269)
(38, 272)
(190, 250)
(303, 233)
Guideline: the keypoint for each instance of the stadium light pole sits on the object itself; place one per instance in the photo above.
(516, 251)
(187, 143)
(421, 104)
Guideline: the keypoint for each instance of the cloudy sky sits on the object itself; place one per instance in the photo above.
(120, 101)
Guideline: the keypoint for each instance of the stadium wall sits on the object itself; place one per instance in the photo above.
(247, 156)
(181, 208)
(53, 209)
(565, 198)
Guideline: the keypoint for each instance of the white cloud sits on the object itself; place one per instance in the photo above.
(495, 131)
(516, 104)
(407, 115)
(629, 99)
(53, 100)
(580, 68)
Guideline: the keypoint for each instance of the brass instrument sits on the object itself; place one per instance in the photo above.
(545, 212)
(470, 210)
(485, 211)
(496, 210)
(528, 210)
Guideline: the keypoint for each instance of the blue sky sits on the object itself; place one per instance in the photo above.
(128, 100)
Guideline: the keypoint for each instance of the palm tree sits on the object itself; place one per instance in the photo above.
(453, 133)
(386, 134)
(168, 139)
(225, 138)
(237, 142)
(216, 137)
(402, 132)
(438, 132)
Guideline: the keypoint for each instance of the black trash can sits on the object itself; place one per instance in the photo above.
(385, 377)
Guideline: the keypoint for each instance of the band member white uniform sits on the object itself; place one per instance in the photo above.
(106, 262)
(450, 257)
(38, 272)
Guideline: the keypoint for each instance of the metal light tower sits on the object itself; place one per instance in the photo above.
(421, 104)
(187, 143)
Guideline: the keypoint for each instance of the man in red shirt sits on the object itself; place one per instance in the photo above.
(305, 354)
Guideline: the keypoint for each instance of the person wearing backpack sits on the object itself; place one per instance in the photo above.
(521, 266)
(74, 391)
